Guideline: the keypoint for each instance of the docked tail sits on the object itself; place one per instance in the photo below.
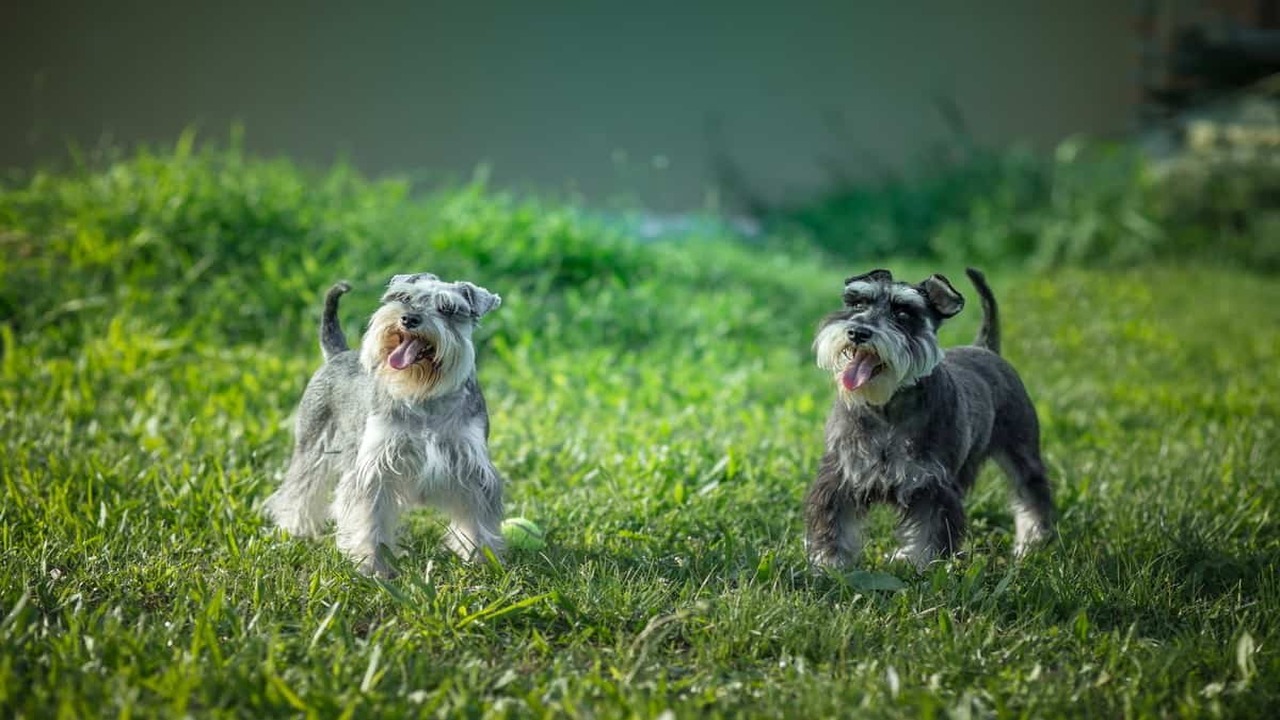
(989, 333)
(332, 341)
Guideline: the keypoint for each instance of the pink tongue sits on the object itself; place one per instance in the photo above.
(859, 371)
(404, 355)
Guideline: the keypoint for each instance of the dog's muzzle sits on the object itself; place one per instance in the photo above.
(861, 364)
(412, 349)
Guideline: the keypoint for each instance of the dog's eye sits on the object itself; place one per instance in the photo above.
(856, 305)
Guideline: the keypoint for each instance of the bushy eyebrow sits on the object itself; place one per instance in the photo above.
(906, 297)
(397, 295)
(897, 294)
(453, 302)
(861, 290)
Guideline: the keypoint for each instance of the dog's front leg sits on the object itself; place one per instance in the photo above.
(366, 513)
(367, 504)
(475, 511)
(833, 518)
(932, 526)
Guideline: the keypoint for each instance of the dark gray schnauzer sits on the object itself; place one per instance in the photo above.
(911, 425)
(400, 423)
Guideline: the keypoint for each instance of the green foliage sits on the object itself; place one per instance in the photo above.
(1088, 204)
(657, 410)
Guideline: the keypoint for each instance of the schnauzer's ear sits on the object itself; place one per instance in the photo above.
(878, 275)
(481, 301)
(942, 296)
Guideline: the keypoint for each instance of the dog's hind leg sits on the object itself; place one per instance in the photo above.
(1031, 498)
(300, 505)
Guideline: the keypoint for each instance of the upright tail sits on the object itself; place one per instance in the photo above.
(332, 341)
(989, 333)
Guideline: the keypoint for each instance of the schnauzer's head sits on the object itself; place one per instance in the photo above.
(419, 342)
(885, 337)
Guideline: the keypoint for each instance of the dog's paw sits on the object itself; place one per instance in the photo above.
(378, 563)
(289, 517)
(303, 530)
(917, 560)
(469, 548)
(822, 561)
(376, 567)
(1029, 541)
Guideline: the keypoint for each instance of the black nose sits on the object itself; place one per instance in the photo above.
(859, 334)
(410, 321)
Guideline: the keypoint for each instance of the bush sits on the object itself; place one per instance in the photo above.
(1087, 204)
(248, 246)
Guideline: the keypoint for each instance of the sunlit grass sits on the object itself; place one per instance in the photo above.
(657, 411)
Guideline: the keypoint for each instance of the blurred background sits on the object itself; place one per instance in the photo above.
(604, 97)
(831, 116)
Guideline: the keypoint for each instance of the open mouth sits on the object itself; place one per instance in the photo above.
(412, 349)
(861, 364)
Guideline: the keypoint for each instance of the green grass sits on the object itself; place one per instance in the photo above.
(656, 408)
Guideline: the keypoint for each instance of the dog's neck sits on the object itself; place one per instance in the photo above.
(442, 401)
(908, 404)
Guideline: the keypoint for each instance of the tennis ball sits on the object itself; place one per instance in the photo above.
(523, 534)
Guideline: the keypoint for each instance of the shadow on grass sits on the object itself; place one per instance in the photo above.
(617, 583)
(1160, 587)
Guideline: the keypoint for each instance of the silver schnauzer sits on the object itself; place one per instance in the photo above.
(912, 425)
(400, 423)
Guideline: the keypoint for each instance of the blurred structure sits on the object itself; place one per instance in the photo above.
(606, 100)
(1193, 51)
(1209, 76)
(597, 99)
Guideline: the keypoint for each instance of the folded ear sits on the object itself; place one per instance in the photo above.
(941, 295)
(877, 275)
(481, 301)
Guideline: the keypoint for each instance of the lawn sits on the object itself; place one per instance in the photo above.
(656, 408)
